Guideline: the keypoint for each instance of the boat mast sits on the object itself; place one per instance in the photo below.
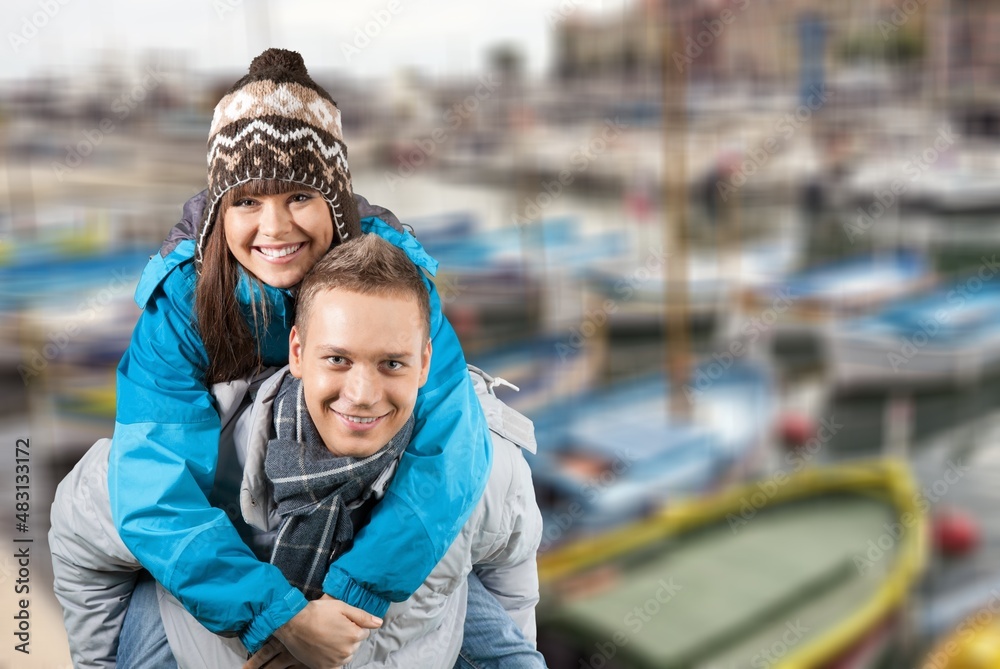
(674, 123)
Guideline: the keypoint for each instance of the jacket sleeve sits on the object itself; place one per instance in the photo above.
(440, 479)
(162, 467)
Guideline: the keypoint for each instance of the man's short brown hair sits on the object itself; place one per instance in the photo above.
(368, 265)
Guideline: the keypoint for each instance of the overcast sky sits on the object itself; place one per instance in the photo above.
(438, 37)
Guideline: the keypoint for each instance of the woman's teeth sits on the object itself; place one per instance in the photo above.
(279, 253)
(358, 419)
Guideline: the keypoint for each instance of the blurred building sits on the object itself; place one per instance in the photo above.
(964, 57)
(724, 41)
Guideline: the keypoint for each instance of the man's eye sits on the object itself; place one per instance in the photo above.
(394, 365)
(336, 360)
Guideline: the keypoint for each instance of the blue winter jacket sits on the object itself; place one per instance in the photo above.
(165, 450)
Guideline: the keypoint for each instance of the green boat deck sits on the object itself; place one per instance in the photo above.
(743, 596)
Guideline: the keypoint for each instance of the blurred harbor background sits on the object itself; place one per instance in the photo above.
(717, 244)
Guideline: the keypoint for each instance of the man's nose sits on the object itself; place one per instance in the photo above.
(361, 387)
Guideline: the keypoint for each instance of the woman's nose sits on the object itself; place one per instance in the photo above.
(275, 219)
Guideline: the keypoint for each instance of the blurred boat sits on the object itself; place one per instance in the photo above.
(803, 307)
(546, 370)
(975, 644)
(960, 191)
(43, 272)
(948, 337)
(557, 242)
(948, 611)
(52, 301)
(812, 570)
(481, 154)
(69, 318)
(442, 229)
(68, 359)
(961, 588)
(857, 284)
(495, 285)
(633, 294)
(615, 454)
(949, 187)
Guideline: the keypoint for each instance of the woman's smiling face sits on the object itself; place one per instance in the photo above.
(278, 238)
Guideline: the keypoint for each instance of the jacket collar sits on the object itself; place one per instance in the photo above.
(251, 434)
(249, 292)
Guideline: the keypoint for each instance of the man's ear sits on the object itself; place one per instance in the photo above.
(295, 345)
(425, 363)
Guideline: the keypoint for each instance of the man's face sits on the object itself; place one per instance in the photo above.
(362, 360)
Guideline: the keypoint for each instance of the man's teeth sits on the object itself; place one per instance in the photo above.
(279, 253)
(358, 419)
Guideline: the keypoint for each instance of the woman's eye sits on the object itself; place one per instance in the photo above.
(301, 197)
(245, 202)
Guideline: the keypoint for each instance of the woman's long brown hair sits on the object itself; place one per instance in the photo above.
(233, 350)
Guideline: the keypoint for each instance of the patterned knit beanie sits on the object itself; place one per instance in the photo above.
(276, 123)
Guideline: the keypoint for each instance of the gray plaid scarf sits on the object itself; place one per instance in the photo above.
(316, 490)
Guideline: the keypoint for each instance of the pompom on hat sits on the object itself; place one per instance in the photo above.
(277, 123)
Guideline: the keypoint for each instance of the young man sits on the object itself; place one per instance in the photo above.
(318, 445)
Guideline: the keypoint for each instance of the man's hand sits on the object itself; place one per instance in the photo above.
(273, 655)
(326, 633)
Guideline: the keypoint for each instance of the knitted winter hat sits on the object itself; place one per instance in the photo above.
(277, 123)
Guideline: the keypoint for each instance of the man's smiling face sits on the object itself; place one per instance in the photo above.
(362, 359)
